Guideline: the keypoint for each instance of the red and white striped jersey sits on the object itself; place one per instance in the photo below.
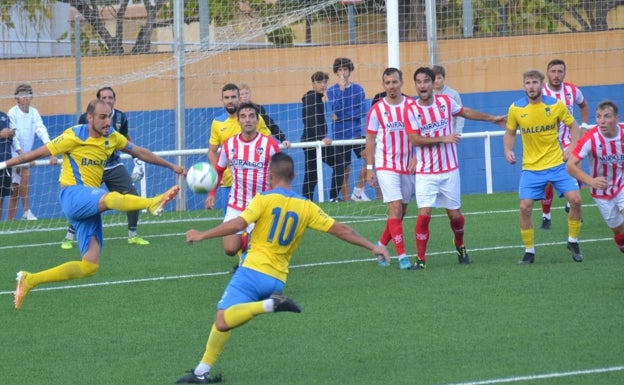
(436, 120)
(248, 162)
(606, 158)
(570, 95)
(393, 150)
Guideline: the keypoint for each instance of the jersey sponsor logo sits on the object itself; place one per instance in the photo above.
(433, 126)
(538, 129)
(242, 163)
(92, 162)
(395, 126)
(611, 158)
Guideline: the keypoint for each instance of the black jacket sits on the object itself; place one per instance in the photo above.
(313, 114)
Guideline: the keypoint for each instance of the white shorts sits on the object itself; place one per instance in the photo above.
(439, 190)
(395, 186)
(611, 209)
(232, 213)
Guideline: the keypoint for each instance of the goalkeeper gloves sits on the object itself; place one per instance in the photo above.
(138, 172)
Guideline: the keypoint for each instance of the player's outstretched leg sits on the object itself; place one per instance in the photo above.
(160, 201)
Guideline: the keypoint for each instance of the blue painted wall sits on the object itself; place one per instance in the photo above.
(159, 134)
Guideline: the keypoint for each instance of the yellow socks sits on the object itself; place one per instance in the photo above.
(528, 238)
(215, 344)
(64, 272)
(126, 202)
(574, 228)
(240, 314)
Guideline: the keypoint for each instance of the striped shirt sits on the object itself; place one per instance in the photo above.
(393, 150)
(570, 95)
(436, 120)
(606, 158)
(248, 161)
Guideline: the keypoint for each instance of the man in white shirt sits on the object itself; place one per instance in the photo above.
(26, 121)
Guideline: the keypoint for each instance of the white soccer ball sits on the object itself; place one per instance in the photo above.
(201, 178)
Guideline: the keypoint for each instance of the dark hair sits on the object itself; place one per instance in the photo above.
(425, 70)
(556, 62)
(282, 166)
(341, 62)
(391, 70)
(23, 88)
(319, 76)
(439, 70)
(606, 104)
(230, 87)
(107, 88)
(92, 104)
(247, 106)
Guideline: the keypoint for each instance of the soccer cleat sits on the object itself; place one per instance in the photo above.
(576, 251)
(419, 265)
(29, 216)
(404, 263)
(136, 240)
(21, 289)
(382, 261)
(567, 207)
(281, 303)
(462, 255)
(67, 244)
(545, 224)
(161, 200)
(192, 378)
(527, 259)
(335, 200)
(360, 198)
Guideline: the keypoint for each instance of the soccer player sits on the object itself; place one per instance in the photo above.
(315, 129)
(245, 97)
(570, 95)
(538, 117)
(85, 149)
(281, 217)
(246, 156)
(437, 166)
(27, 123)
(604, 146)
(116, 177)
(6, 146)
(440, 87)
(348, 103)
(389, 152)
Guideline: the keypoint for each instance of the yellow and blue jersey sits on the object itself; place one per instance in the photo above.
(539, 127)
(84, 157)
(281, 217)
(224, 127)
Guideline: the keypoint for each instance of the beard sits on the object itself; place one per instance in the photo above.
(231, 110)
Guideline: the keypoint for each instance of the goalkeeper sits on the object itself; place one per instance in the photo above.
(116, 177)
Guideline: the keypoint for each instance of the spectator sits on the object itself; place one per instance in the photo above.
(315, 129)
(27, 122)
(245, 97)
(440, 87)
(348, 102)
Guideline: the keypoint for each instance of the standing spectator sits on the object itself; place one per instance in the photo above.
(81, 197)
(437, 166)
(27, 122)
(389, 152)
(246, 156)
(604, 146)
(440, 87)
(570, 95)
(538, 117)
(116, 177)
(281, 218)
(315, 129)
(245, 97)
(348, 102)
(6, 146)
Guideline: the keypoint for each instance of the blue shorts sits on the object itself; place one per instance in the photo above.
(80, 206)
(249, 285)
(532, 183)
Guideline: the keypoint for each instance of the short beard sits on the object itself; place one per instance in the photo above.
(231, 110)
